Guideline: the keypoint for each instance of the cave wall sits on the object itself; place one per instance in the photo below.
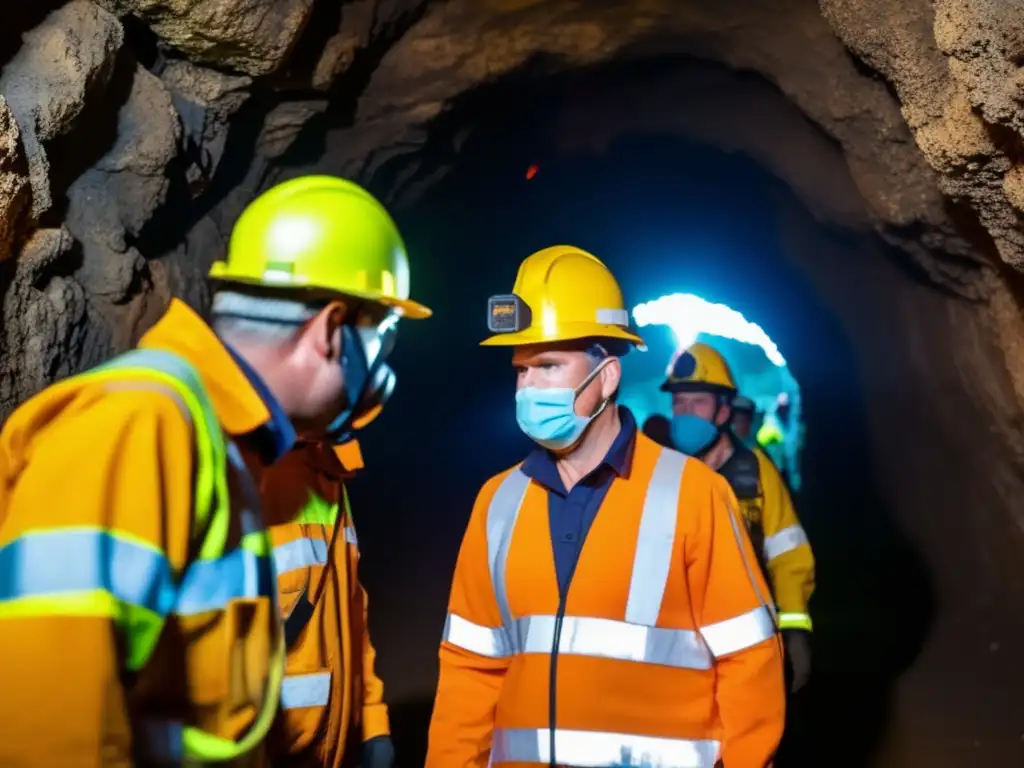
(161, 119)
(943, 423)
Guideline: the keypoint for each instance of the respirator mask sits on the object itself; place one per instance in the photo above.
(366, 343)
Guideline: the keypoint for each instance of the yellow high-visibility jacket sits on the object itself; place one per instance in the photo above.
(776, 531)
(331, 700)
(138, 619)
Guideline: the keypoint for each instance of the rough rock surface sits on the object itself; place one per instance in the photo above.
(283, 123)
(64, 63)
(113, 200)
(205, 101)
(956, 66)
(249, 36)
(15, 192)
(43, 317)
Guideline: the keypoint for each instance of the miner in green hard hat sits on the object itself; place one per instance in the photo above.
(132, 511)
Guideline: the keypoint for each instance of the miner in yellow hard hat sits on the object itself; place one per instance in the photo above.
(703, 393)
(130, 506)
(574, 559)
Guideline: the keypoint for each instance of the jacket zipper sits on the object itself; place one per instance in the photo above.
(553, 674)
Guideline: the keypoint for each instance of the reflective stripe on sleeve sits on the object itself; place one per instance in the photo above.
(485, 641)
(738, 633)
(350, 535)
(313, 690)
(66, 561)
(591, 749)
(128, 570)
(209, 585)
(784, 541)
(795, 621)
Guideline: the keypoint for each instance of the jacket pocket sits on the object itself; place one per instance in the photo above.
(305, 696)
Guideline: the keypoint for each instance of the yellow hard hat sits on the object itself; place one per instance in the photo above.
(561, 293)
(324, 235)
(697, 368)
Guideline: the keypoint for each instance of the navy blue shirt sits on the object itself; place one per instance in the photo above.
(277, 436)
(570, 514)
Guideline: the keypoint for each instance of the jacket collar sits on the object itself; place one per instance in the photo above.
(242, 404)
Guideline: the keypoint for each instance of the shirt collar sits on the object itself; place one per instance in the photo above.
(242, 402)
(540, 464)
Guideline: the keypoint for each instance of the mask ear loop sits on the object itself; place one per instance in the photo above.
(588, 381)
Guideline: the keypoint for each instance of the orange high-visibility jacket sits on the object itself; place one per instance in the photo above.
(331, 699)
(667, 649)
(119, 625)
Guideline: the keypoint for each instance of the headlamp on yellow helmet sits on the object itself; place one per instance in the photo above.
(561, 293)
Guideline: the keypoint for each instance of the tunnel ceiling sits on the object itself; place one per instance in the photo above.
(163, 117)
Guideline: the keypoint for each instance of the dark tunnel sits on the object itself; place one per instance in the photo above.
(666, 215)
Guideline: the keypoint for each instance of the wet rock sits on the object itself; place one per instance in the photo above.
(250, 36)
(64, 62)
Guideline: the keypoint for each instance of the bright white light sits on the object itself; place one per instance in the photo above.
(688, 316)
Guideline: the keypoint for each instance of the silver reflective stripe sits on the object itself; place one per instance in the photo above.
(501, 521)
(299, 553)
(612, 640)
(613, 317)
(735, 634)
(487, 641)
(598, 749)
(312, 690)
(350, 536)
(784, 541)
(654, 543)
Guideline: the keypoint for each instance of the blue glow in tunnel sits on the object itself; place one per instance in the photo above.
(688, 316)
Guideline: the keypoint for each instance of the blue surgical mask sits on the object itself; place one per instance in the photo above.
(548, 416)
(693, 435)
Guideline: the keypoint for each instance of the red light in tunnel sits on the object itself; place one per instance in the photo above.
(531, 171)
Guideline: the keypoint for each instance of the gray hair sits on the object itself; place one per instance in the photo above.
(266, 320)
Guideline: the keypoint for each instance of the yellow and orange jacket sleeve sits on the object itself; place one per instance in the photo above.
(729, 594)
(786, 550)
(375, 711)
(462, 725)
(110, 472)
(375, 720)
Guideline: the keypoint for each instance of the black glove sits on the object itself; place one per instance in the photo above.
(798, 649)
(378, 752)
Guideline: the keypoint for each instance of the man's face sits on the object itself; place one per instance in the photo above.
(701, 404)
(546, 367)
(742, 424)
